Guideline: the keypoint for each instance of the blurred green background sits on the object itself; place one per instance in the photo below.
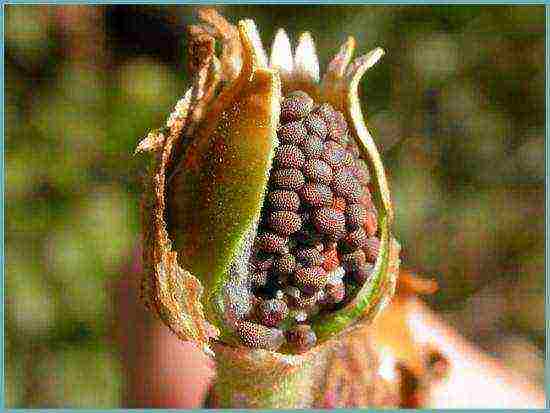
(456, 105)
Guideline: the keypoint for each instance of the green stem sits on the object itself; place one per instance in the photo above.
(338, 373)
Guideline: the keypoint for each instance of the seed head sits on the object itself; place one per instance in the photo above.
(310, 279)
(285, 264)
(346, 186)
(371, 246)
(356, 214)
(310, 257)
(313, 147)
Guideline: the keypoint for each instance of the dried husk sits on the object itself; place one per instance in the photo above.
(214, 157)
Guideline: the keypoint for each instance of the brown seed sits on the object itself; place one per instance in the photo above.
(330, 222)
(310, 279)
(296, 105)
(290, 179)
(356, 238)
(302, 337)
(310, 257)
(258, 278)
(334, 154)
(315, 125)
(371, 246)
(288, 156)
(352, 148)
(318, 171)
(371, 223)
(273, 243)
(313, 147)
(284, 222)
(356, 214)
(259, 336)
(361, 172)
(281, 200)
(293, 132)
(304, 301)
(346, 186)
(272, 312)
(316, 195)
(285, 264)
(354, 260)
(362, 273)
(334, 293)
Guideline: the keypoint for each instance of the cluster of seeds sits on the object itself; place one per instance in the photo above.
(317, 240)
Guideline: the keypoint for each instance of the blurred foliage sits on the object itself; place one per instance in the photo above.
(457, 106)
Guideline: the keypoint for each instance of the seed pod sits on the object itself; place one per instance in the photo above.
(310, 279)
(290, 179)
(273, 243)
(289, 156)
(316, 195)
(330, 222)
(318, 171)
(284, 222)
(281, 200)
(258, 336)
(302, 337)
(224, 187)
(315, 125)
(272, 312)
(294, 133)
(296, 106)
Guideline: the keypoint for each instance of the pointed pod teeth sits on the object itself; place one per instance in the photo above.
(281, 54)
(306, 62)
